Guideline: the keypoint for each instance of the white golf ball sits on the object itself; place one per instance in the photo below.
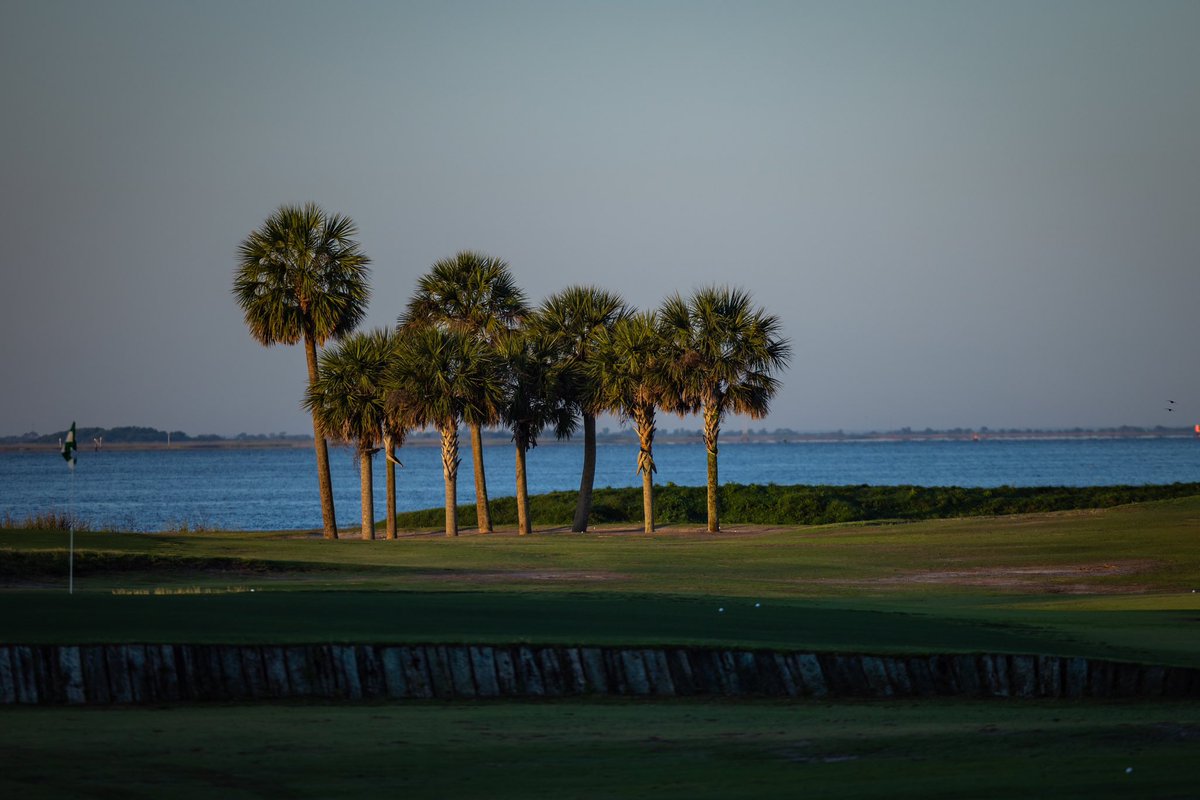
(720, 611)
(756, 605)
(1128, 770)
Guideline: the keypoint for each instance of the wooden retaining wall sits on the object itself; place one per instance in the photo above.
(168, 673)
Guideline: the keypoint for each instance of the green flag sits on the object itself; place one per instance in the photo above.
(68, 446)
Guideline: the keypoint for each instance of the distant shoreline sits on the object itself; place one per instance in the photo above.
(494, 439)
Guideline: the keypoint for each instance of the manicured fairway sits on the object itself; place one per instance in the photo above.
(1129, 550)
(584, 749)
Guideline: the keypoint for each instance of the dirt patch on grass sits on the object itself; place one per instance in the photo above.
(698, 531)
(1040, 579)
(533, 576)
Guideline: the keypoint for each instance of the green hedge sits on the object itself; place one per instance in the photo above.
(808, 505)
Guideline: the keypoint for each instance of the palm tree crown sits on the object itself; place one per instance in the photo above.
(471, 292)
(302, 275)
(633, 366)
(572, 320)
(729, 350)
(348, 397)
(441, 377)
(536, 396)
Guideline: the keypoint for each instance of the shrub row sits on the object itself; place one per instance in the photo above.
(771, 504)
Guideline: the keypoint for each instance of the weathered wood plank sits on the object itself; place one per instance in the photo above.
(391, 660)
(461, 676)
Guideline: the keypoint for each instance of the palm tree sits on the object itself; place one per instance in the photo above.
(632, 374)
(573, 319)
(475, 294)
(728, 352)
(536, 398)
(394, 434)
(440, 377)
(349, 402)
(302, 277)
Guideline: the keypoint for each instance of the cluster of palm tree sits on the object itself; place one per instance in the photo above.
(469, 348)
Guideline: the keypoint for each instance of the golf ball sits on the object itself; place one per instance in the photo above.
(720, 611)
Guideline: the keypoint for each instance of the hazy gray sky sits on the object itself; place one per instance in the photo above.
(966, 213)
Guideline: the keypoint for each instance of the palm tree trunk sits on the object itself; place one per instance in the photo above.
(450, 473)
(483, 513)
(324, 483)
(643, 421)
(390, 468)
(712, 429)
(368, 495)
(523, 527)
(583, 508)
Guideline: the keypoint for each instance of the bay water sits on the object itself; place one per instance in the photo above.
(276, 488)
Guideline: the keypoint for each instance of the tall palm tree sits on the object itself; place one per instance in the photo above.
(439, 377)
(536, 398)
(728, 352)
(302, 278)
(348, 400)
(475, 294)
(394, 434)
(632, 374)
(573, 319)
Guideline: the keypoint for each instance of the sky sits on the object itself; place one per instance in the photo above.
(964, 213)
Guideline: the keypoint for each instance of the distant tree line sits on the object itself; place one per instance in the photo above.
(604, 434)
(126, 434)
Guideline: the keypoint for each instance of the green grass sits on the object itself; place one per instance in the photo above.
(291, 617)
(1140, 549)
(586, 749)
(1116, 583)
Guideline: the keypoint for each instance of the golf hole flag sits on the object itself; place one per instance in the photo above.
(68, 447)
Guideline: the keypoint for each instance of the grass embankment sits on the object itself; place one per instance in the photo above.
(772, 504)
(584, 749)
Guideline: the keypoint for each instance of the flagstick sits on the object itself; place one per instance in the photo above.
(71, 528)
(68, 452)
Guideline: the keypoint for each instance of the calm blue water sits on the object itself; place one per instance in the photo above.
(275, 489)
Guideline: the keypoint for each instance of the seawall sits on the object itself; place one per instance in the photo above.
(127, 674)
